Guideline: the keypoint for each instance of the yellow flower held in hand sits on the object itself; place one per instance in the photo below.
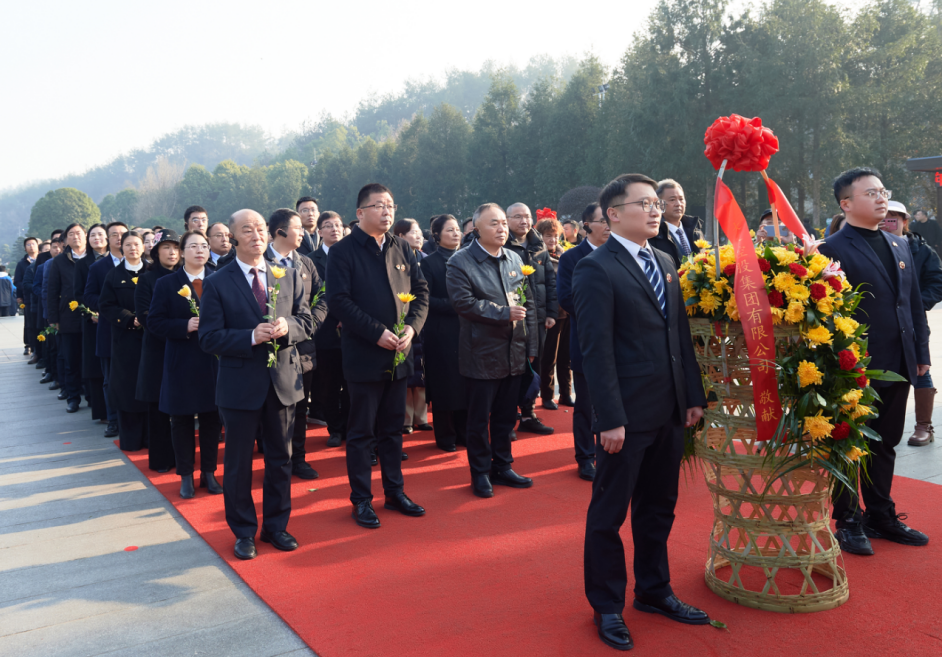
(819, 335)
(73, 305)
(41, 337)
(277, 272)
(527, 270)
(184, 292)
(134, 280)
(808, 374)
(818, 426)
(703, 244)
(406, 297)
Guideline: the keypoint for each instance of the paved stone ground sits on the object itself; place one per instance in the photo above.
(67, 511)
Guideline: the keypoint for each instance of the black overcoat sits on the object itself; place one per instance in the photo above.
(91, 364)
(152, 347)
(116, 305)
(444, 385)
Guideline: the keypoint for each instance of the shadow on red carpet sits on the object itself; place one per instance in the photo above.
(504, 576)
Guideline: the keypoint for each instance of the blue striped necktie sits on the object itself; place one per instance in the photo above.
(654, 276)
(683, 241)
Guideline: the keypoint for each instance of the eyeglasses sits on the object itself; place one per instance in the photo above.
(381, 207)
(645, 204)
(872, 194)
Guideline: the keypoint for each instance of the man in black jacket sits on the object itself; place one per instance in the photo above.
(645, 386)
(284, 227)
(528, 245)
(31, 246)
(483, 283)
(329, 385)
(375, 285)
(679, 232)
(898, 341)
(307, 208)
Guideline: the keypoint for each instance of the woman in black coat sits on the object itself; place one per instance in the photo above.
(91, 364)
(188, 387)
(444, 385)
(116, 305)
(165, 256)
(416, 417)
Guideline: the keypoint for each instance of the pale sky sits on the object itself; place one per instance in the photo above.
(83, 82)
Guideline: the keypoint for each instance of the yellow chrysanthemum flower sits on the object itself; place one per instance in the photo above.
(73, 305)
(795, 312)
(846, 325)
(277, 272)
(406, 297)
(134, 280)
(862, 410)
(692, 310)
(809, 374)
(708, 302)
(184, 292)
(819, 335)
(41, 337)
(818, 426)
(852, 397)
(817, 264)
(777, 316)
(825, 306)
(855, 347)
(527, 270)
(854, 453)
(784, 256)
(784, 281)
(798, 292)
(703, 244)
(720, 286)
(732, 309)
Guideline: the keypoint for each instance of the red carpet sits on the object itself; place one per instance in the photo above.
(504, 576)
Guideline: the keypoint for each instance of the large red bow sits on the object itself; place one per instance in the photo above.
(742, 142)
(545, 213)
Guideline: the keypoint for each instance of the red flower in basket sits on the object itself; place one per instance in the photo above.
(848, 360)
(729, 270)
(545, 213)
(818, 291)
(776, 300)
(764, 265)
(798, 270)
(742, 142)
(835, 283)
(841, 431)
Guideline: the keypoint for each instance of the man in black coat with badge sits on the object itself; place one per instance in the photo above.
(375, 284)
(645, 387)
(898, 341)
(257, 385)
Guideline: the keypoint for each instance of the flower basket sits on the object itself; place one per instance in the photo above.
(771, 546)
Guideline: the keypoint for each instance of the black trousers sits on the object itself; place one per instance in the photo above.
(331, 390)
(183, 432)
(70, 347)
(60, 360)
(159, 442)
(377, 411)
(645, 474)
(299, 435)
(526, 405)
(110, 404)
(96, 398)
(51, 356)
(555, 361)
(277, 423)
(582, 436)
(132, 431)
(875, 487)
(450, 428)
(491, 405)
(29, 327)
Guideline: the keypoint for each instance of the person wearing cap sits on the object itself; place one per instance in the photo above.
(766, 230)
(165, 256)
(929, 269)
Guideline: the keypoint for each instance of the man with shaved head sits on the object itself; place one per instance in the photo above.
(260, 378)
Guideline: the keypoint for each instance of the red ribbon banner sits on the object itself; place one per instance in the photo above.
(785, 211)
(754, 312)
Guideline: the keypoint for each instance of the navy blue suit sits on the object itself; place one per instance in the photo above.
(582, 435)
(96, 278)
(898, 340)
(249, 394)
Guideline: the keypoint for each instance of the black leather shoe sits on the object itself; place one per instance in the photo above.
(55, 386)
(245, 548)
(533, 425)
(334, 440)
(403, 505)
(893, 529)
(510, 478)
(62, 396)
(280, 540)
(447, 447)
(373, 459)
(210, 483)
(46, 378)
(73, 406)
(550, 405)
(187, 491)
(405, 457)
(33, 360)
(587, 471)
(852, 539)
(567, 401)
(41, 364)
(424, 427)
(481, 486)
(613, 632)
(26, 351)
(303, 470)
(673, 609)
(365, 516)
(406, 430)
(112, 430)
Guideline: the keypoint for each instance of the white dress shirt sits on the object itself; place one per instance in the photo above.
(215, 256)
(635, 250)
(114, 259)
(678, 229)
(500, 250)
(288, 259)
(192, 277)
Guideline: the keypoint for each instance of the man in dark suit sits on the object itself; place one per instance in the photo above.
(31, 246)
(370, 272)
(645, 386)
(597, 232)
(238, 325)
(307, 209)
(329, 386)
(219, 247)
(898, 341)
(679, 232)
(285, 229)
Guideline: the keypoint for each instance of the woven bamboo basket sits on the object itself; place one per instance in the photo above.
(771, 546)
